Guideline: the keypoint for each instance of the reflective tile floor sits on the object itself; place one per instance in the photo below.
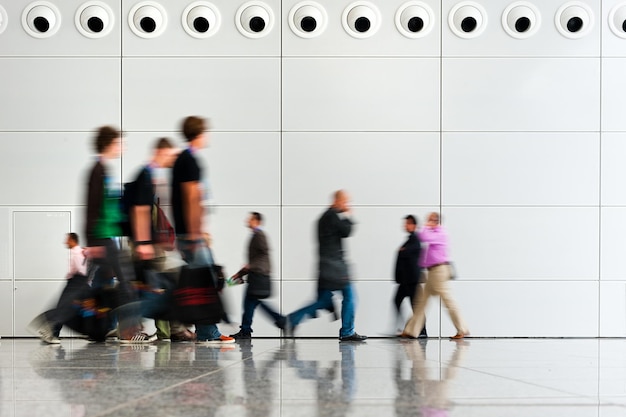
(316, 377)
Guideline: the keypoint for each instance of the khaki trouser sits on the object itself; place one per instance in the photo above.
(436, 284)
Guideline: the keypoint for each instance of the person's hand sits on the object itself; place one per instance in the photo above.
(144, 252)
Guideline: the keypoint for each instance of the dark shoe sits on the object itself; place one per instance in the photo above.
(423, 334)
(354, 337)
(241, 334)
(281, 322)
(184, 336)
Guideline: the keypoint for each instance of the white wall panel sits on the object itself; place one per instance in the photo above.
(39, 177)
(376, 168)
(39, 244)
(517, 243)
(613, 88)
(6, 308)
(495, 41)
(360, 94)
(613, 243)
(68, 94)
(526, 309)
(237, 94)
(335, 41)
(33, 298)
(613, 309)
(613, 44)
(502, 94)
(68, 41)
(227, 41)
(613, 169)
(520, 168)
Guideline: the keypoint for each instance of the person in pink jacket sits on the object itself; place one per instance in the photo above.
(435, 260)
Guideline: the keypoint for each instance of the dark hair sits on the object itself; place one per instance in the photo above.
(193, 126)
(257, 216)
(105, 137)
(73, 236)
(411, 219)
(163, 143)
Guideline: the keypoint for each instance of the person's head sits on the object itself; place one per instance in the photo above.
(433, 219)
(108, 142)
(194, 130)
(254, 220)
(164, 153)
(341, 201)
(71, 240)
(410, 223)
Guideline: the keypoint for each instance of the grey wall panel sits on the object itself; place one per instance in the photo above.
(6, 308)
(39, 244)
(547, 41)
(44, 168)
(33, 298)
(502, 94)
(613, 168)
(60, 94)
(377, 168)
(6, 245)
(238, 94)
(517, 168)
(335, 40)
(67, 41)
(520, 242)
(360, 94)
(226, 41)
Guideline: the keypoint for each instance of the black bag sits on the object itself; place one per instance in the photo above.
(197, 300)
(259, 285)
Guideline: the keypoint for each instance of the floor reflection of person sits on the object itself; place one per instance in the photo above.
(432, 394)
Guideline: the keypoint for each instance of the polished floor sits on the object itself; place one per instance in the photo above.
(316, 377)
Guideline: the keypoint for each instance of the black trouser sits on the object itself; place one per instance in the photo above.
(412, 291)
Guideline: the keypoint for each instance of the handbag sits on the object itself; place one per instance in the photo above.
(196, 297)
(259, 285)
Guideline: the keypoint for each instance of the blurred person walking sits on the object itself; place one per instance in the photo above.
(333, 226)
(258, 271)
(187, 196)
(437, 281)
(408, 270)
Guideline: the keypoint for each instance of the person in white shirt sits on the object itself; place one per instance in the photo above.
(77, 258)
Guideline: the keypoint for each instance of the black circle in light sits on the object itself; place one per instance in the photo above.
(95, 24)
(41, 24)
(257, 24)
(416, 24)
(201, 24)
(147, 24)
(575, 24)
(624, 25)
(362, 24)
(468, 24)
(308, 24)
(522, 24)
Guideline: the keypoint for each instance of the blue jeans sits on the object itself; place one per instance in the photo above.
(325, 301)
(249, 305)
(197, 255)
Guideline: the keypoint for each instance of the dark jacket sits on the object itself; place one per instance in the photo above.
(407, 264)
(95, 202)
(259, 253)
(333, 270)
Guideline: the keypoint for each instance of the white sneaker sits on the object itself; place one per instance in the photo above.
(139, 338)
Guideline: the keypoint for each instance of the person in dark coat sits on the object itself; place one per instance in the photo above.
(334, 226)
(408, 271)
